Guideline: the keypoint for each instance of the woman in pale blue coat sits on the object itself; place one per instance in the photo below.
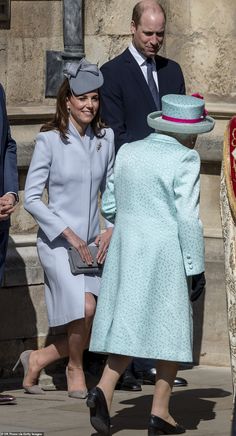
(73, 156)
(144, 308)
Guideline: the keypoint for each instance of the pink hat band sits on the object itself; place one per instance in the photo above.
(182, 120)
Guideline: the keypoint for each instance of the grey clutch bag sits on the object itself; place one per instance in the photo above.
(77, 266)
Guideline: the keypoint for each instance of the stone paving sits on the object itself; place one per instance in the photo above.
(204, 408)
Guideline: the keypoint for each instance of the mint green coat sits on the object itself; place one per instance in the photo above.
(143, 308)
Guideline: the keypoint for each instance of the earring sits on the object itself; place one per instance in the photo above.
(68, 110)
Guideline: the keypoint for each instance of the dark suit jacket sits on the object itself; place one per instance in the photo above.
(126, 99)
(8, 165)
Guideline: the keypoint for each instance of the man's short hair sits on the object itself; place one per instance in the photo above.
(140, 7)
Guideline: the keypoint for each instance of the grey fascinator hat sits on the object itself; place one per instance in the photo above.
(83, 76)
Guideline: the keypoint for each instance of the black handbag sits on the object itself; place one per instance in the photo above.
(77, 265)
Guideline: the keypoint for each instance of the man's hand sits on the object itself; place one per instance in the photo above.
(7, 206)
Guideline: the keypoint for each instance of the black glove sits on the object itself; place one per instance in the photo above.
(198, 285)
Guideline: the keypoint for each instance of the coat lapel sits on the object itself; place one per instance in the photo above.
(162, 78)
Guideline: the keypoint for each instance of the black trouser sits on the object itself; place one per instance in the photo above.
(3, 251)
(138, 364)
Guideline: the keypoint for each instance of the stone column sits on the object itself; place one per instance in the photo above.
(73, 45)
(73, 29)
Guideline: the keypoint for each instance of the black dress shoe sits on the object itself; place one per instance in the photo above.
(179, 382)
(158, 426)
(128, 382)
(7, 399)
(146, 377)
(99, 415)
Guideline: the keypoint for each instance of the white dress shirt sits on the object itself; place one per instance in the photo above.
(141, 60)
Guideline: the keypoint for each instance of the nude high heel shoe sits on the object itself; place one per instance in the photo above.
(24, 359)
(79, 394)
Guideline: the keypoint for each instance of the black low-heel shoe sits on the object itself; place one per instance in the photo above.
(158, 426)
(99, 415)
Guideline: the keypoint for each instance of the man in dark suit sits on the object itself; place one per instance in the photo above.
(126, 96)
(134, 83)
(8, 193)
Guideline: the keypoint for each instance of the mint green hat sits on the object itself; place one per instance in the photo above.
(182, 114)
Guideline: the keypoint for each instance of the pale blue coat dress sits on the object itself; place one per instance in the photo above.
(73, 171)
(143, 307)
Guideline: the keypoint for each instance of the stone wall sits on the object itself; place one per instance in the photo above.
(201, 37)
(36, 26)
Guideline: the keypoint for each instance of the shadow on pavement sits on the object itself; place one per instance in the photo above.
(188, 407)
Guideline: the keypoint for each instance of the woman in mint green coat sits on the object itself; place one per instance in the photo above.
(144, 308)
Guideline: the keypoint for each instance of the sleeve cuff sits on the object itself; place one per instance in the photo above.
(15, 195)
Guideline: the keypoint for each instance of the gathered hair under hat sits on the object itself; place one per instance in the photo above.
(83, 76)
(182, 114)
